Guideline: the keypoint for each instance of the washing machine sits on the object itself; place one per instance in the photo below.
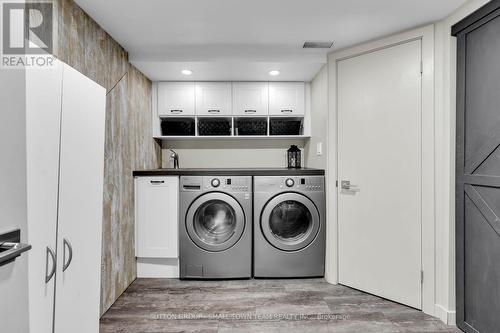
(289, 226)
(215, 227)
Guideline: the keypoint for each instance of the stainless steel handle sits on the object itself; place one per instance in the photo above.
(286, 111)
(250, 111)
(175, 111)
(11, 246)
(48, 275)
(213, 111)
(9, 251)
(70, 249)
(346, 185)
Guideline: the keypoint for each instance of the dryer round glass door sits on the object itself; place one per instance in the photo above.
(215, 222)
(290, 221)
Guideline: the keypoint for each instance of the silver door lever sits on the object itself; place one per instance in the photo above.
(346, 185)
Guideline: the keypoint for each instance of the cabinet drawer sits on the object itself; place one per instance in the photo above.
(286, 98)
(213, 98)
(250, 98)
(176, 99)
(157, 217)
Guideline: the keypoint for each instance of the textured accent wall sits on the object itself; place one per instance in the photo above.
(84, 45)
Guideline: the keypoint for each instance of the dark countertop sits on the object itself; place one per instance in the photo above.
(231, 172)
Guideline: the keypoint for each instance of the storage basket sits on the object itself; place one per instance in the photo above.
(285, 127)
(177, 127)
(251, 126)
(215, 126)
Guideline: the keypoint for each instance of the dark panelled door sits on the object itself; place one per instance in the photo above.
(478, 171)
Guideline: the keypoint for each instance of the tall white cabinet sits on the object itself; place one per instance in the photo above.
(65, 152)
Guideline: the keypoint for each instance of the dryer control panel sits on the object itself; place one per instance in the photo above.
(295, 183)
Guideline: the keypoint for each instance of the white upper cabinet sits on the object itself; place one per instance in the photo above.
(213, 98)
(250, 98)
(287, 98)
(176, 99)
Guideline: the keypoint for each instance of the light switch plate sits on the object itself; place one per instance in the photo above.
(319, 148)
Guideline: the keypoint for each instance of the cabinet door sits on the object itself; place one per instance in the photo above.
(78, 276)
(213, 98)
(43, 114)
(176, 99)
(250, 98)
(157, 217)
(286, 98)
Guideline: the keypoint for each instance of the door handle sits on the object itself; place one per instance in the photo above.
(48, 276)
(70, 257)
(213, 111)
(346, 185)
(250, 111)
(11, 246)
(286, 111)
(175, 111)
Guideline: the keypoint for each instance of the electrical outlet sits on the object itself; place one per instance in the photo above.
(319, 148)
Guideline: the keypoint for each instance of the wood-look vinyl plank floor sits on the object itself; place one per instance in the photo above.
(287, 306)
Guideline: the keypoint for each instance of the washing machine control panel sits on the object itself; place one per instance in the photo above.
(232, 184)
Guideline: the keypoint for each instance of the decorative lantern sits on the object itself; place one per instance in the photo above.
(294, 157)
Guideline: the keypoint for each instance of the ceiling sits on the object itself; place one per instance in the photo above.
(243, 40)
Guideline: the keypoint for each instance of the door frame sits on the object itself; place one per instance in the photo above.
(426, 35)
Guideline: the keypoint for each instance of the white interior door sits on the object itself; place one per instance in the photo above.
(43, 121)
(380, 151)
(80, 204)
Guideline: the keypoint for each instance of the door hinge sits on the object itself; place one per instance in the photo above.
(421, 276)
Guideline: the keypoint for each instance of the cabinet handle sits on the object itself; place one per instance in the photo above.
(175, 111)
(70, 258)
(48, 275)
(286, 111)
(155, 182)
(213, 111)
(250, 111)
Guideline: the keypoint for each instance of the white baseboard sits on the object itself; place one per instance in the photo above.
(448, 317)
(157, 268)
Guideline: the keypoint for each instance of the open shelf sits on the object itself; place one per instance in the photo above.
(234, 137)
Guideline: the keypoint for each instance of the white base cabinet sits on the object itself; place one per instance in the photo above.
(65, 144)
(157, 219)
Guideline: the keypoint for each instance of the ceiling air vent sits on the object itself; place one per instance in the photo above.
(317, 45)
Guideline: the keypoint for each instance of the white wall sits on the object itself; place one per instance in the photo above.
(319, 120)
(445, 87)
(13, 276)
(212, 153)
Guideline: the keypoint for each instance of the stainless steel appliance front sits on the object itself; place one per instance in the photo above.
(215, 236)
(289, 226)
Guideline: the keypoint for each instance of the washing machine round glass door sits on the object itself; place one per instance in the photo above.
(215, 221)
(290, 221)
